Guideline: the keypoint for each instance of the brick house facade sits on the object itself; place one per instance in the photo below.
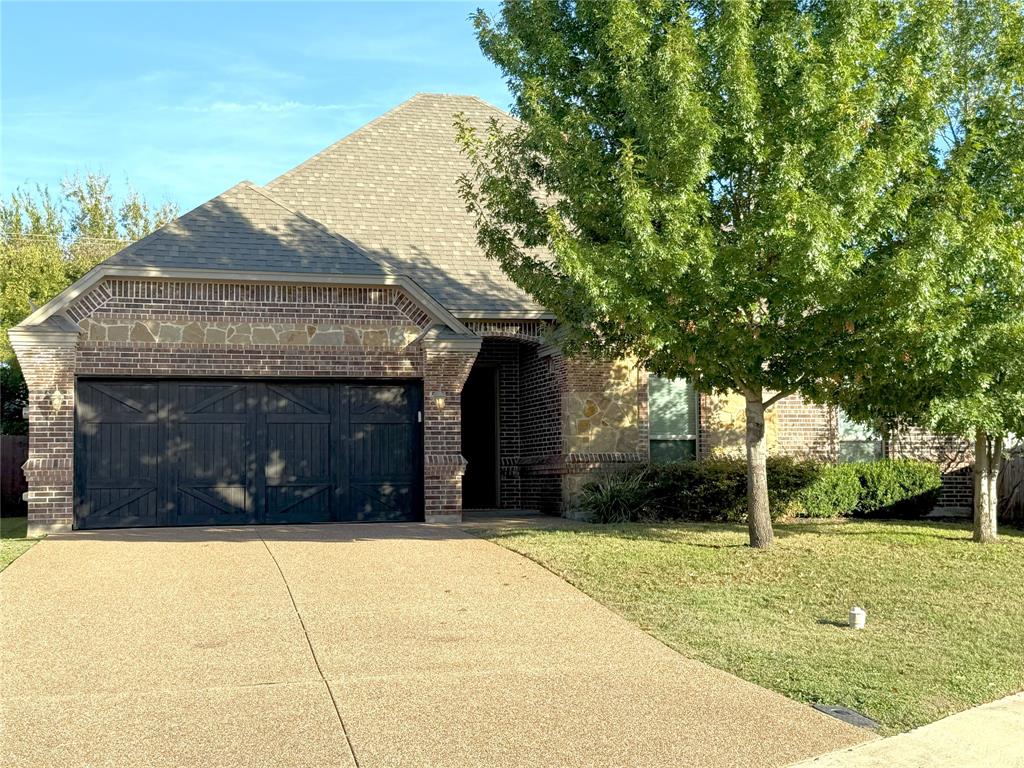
(345, 305)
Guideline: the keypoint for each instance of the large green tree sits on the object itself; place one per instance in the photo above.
(956, 362)
(708, 185)
(46, 243)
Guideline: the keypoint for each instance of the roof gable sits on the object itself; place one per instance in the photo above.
(246, 229)
(391, 187)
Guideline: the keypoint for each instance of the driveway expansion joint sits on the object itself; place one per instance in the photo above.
(312, 652)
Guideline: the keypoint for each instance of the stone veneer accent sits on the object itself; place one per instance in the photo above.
(604, 420)
(244, 333)
(131, 328)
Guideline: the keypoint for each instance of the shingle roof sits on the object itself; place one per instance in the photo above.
(391, 188)
(246, 229)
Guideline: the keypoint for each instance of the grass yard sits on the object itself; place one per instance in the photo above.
(13, 543)
(945, 624)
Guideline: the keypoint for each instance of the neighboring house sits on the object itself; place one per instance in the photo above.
(335, 346)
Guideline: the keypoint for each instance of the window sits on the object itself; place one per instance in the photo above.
(673, 413)
(858, 442)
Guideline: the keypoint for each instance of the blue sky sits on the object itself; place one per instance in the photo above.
(185, 99)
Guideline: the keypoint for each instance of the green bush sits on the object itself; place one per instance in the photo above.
(835, 492)
(898, 488)
(715, 490)
(615, 498)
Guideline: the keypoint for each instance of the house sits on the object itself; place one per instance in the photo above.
(334, 346)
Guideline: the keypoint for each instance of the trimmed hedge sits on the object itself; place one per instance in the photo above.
(835, 492)
(898, 488)
(715, 490)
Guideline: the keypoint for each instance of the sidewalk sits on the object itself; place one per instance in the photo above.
(989, 736)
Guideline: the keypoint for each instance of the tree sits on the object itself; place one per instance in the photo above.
(46, 244)
(706, 185)
(960, 367)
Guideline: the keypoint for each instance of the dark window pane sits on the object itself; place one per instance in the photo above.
(664, 451)
(860, 450)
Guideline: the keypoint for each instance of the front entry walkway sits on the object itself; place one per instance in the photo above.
(353, 645)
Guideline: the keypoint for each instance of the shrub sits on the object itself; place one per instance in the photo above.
(716, 490)
(898, 488)
(615, 497)
(711, 490)
(835, 492)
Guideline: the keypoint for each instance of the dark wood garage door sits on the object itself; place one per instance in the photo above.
(205, 452)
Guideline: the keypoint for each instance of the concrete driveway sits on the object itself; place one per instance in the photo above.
(372, 645)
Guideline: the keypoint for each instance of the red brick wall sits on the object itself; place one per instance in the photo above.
(954, 455)
(805, 429)
(540, 423)
(445, 371)
(49, 469)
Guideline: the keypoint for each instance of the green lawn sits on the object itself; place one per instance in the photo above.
(13, 543)
(945, 624)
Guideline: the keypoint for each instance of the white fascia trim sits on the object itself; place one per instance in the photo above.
(62, 300)
(41, 336)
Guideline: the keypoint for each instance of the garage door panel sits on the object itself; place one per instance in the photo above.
(381, 451)
(381, 502)
(377, 403)
(299, 504)
(122, 454)
(123, 507)
(299, 398)
(213, 398)
(214, 505)
(118, 453)
(213, 452)
(201, 452)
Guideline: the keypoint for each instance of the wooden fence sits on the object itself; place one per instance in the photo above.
(13, 452)
(1011, 490)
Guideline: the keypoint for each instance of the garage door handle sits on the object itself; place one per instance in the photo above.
(419, 417)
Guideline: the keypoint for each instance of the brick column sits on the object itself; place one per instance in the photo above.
(447, 360)
(47, 357)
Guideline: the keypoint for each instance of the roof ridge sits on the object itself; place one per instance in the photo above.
(398, 107)
(316, 224)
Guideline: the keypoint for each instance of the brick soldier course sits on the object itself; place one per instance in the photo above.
(361, 264)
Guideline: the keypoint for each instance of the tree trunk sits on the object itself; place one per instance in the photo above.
(988, 454)
(759, 518)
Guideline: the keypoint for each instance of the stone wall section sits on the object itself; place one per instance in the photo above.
(604, 420)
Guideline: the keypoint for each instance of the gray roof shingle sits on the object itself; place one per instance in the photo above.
(391, 188)
(247, 229)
